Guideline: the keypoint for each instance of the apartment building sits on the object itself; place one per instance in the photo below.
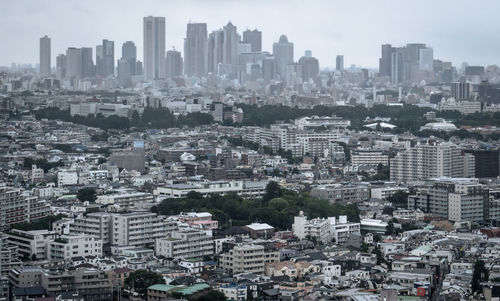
(130, 229)
(17, 208)
(431, 161)
(248, 258)
(91, 284)
(66, 247)
(342, 193)
(368, 157)
(243, 188)
(342, 230)
(185, 244)
(125, 199)
(31, 244)
(456, 199)
(318, 228)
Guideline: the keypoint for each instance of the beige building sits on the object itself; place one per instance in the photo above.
(294, 270)
(248, 258)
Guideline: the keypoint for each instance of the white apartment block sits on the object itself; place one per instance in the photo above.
(468, 203)
(318, 228)
(136, 229)
(431, 161)
(130, 229)
(342, 230)
(385, 192)
(247, 258)
(125, 199)
(67, 177)
(185, 244)
(368, 157)
(68, 246)
(31, 243)
(243, 188)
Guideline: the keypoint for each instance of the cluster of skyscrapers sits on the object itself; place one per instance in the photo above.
(222, 52)
(409, 63)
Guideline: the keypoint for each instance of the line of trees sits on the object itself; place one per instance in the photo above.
(151, 118)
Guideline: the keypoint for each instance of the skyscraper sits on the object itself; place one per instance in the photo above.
(61, 66)
(310, 67)
(124, 74)
(283, 53)
(174, 63)
(214, 51)
(339, 63)
(385, 60)
(195, 49)
(426, 58)
(88, 69)
(254, 38)
(73, 62)
(45, 56)
(129, 52)
(230, 47)
(105, 58)
(154, 48)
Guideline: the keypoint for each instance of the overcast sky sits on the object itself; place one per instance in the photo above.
(458, 30)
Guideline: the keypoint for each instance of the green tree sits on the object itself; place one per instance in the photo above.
(140, 280)
(273, 190)
(479, 275)
(87, 194)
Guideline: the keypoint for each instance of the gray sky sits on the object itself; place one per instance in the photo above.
(458, 30)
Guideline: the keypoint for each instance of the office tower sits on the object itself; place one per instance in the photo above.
(214, 51)
(154, 48)
(269, 68)
(310, 67)
(426, 58)
(73, 62)
(174, 63)
(230, 47)
(460, 90)
(339, 63)
(431, 161)
(124, 73)
(308, 53)
(129, 52)
(294, 74)
(283, 53)
(385, 60)
(61, 66)
(45, 56)
(397, 65)
(87, 62)
(254, 38)
(105, 58)
(474, 70)
(138, 68)
(195, 49)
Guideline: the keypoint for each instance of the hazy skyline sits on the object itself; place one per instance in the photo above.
(457, 30)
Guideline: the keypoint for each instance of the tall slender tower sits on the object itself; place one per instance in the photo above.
(154, 66)
(195, 49)
(129, 52)
(45, 56)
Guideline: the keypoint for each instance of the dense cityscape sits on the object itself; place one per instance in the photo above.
(226, 172)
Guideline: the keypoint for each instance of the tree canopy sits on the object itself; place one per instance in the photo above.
(140, 280)
(277, 207)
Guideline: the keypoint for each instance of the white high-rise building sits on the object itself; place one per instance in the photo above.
(154, 48)
(431, 161)
(45, 56)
